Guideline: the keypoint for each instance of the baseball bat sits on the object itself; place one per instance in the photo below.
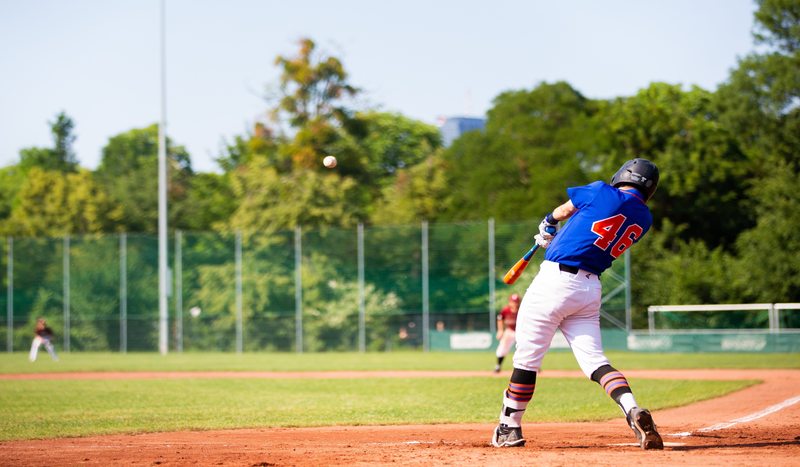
(513, 274)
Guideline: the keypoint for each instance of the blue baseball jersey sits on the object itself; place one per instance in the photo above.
(607, 222)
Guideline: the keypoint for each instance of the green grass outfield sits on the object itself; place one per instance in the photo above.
(58, 408)
(253, 361)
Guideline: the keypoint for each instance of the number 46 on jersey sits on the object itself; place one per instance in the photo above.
(607, 230)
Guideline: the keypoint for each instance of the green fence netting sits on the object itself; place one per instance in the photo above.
(366, 288)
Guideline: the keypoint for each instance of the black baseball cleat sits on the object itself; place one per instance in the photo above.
(507, 436)
(641, 422)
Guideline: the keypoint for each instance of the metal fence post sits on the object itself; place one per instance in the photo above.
(10, 295)
(772, 318)
(425, 290)
(362, 307)
(239, 325)
(123, 293)
(298, 290)
(492, 311)
(178, 290)
(628, 308)
(65, 300)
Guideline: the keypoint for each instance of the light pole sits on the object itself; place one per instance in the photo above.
(162, 198)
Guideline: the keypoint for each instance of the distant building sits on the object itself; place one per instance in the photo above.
(453, 127)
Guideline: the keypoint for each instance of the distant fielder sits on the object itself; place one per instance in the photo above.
(604, 221)
(43, 336)
(506, 327)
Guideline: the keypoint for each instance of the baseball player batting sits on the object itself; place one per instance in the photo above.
(605, 220)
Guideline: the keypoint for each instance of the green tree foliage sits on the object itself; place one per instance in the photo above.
(279, 181)
(778, 26)
(536, 144)
(417, 193)
(129, 171)
(57, 203)
(331, 317)
(61, 157)
(313, 91)
(209, 202)
(37, 285)
(269, 201)
(313, 86)
(761, 103)
(744, 140)
(11, 180)
(261, 142)
(703, 169)
(391, 142)
(94, 292)
(769, 253)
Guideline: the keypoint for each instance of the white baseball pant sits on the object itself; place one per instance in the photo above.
(558, 299)
(506, 342)
(39, 341)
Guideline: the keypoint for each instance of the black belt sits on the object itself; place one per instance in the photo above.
(569, 269)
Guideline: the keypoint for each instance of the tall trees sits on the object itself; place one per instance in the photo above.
(761, 103)
(276, 172)
(314, 89)
(313, 86)
(61, 156)
(53, 204)
(269, 201)
(417, 192)
(129, 172)
(389, 142)
(703, 168)
(536, 143)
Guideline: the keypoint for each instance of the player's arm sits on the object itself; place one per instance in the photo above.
(563, 212)
(500, 326)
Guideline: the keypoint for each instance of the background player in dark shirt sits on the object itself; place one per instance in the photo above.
(43, 336)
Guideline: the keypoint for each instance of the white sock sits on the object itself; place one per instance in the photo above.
(512, 411)
(627, 401)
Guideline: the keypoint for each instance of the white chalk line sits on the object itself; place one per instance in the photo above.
(747, 418)
(666, 444)
(405, 443)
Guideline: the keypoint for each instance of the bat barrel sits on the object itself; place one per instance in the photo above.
(513, 274)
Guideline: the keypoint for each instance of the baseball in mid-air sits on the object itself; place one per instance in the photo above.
(329, 162)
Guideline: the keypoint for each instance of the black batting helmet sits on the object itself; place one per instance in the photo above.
(639, 173)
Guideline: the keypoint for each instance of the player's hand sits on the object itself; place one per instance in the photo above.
(547, 229)
(541, 241)
(499, 335)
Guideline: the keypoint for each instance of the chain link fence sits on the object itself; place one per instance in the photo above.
(362, 289)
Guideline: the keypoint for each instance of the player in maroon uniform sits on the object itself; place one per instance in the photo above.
(506, 329)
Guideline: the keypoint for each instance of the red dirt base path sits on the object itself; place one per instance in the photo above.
(759, 425)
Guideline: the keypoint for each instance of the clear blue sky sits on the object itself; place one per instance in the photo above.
(98, 60)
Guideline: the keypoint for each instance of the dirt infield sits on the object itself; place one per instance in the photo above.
(759, 425)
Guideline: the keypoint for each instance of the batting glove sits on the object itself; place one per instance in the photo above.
(541, 241)
(548, 227)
